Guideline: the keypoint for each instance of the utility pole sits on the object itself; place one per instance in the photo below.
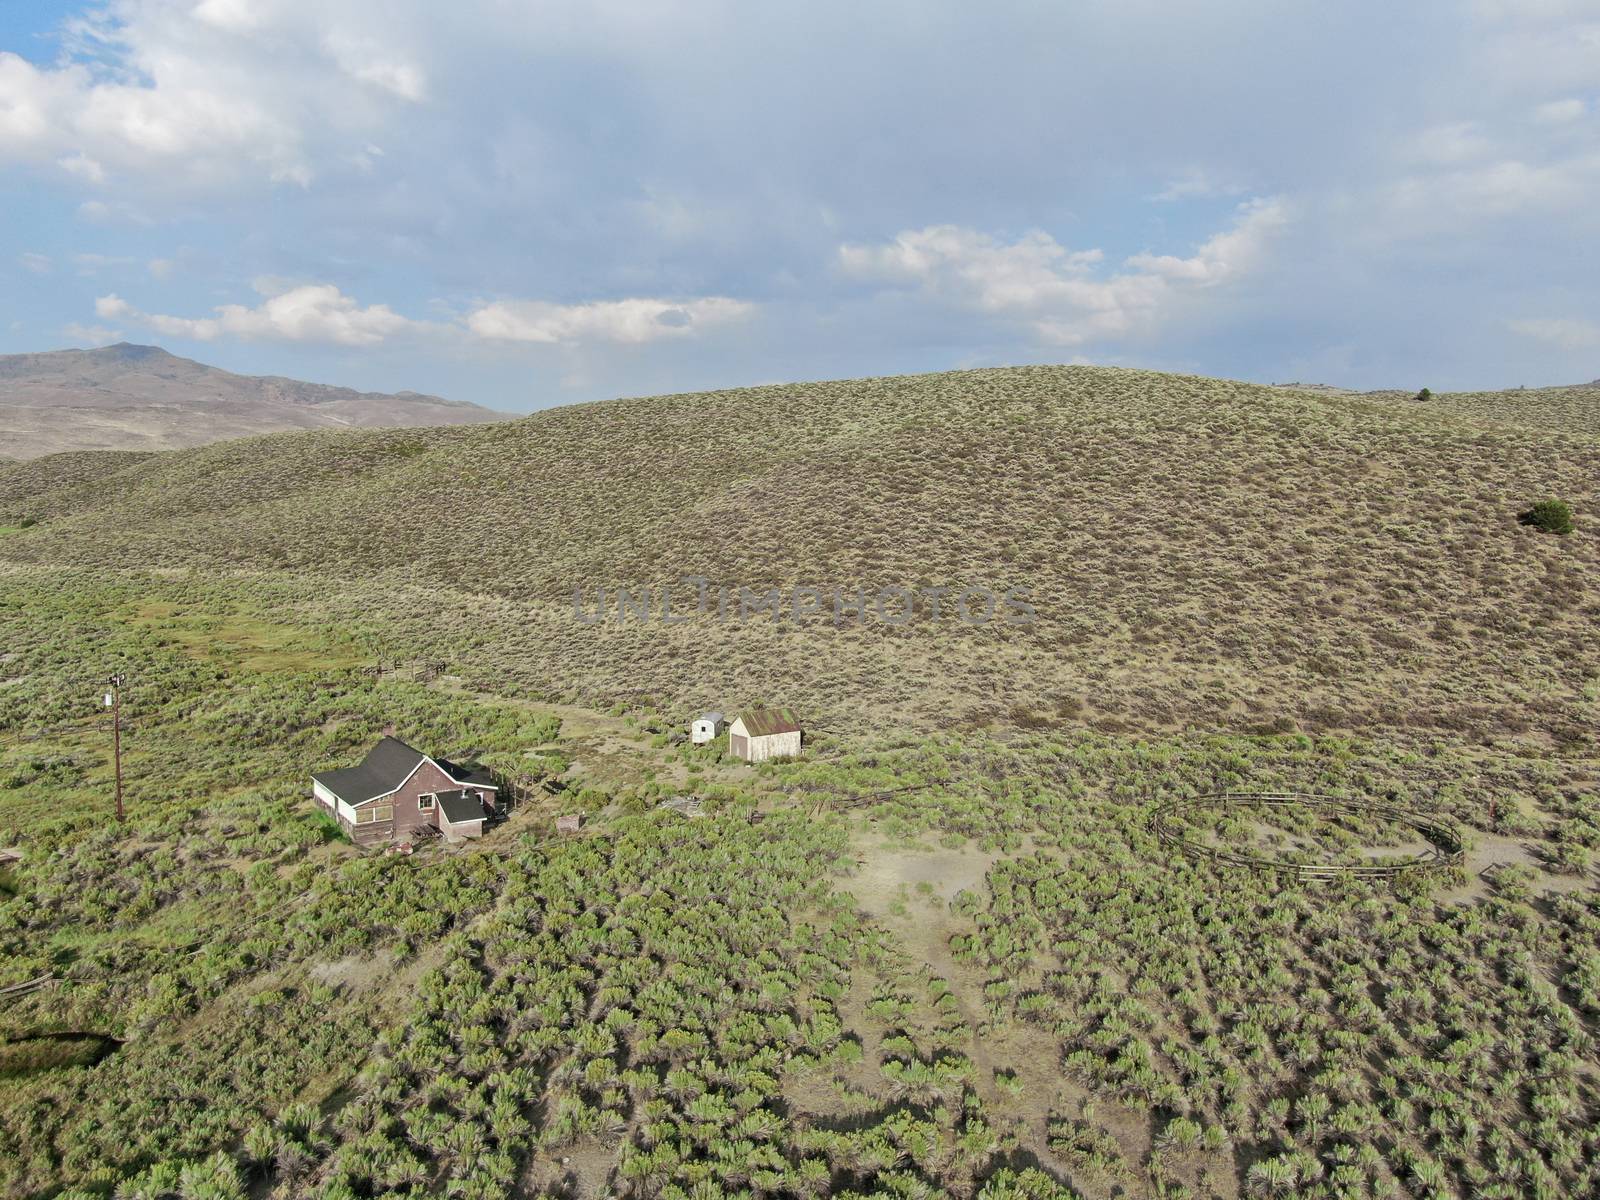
(114, 703)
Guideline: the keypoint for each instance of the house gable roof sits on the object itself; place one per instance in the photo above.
(764, 722)
(387, 765)
(475, 775)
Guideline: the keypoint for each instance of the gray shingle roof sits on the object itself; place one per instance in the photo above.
(385, 768)
(388, 765)
(460, 806)
(468, 773)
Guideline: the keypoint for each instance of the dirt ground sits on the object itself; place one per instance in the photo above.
(908, 890)
(1491, 850)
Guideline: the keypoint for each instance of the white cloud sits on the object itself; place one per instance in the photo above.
(1224, 255)
(233, 16)
(83, 122)
(1452, 144)
(1515, 147)
(1197, 183)
(182, 94)
(320, 312)
(83, 167)
(1560, 112)
(365, 60)
(90, 335)
(1564, 333)
(308, 313)
(39, 264)
(1537, 46)
(160, 268)
(631, 321)
(1057, 291)
(1503, 187)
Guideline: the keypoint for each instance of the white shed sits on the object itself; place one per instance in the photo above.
(764, 733)
(708, 726)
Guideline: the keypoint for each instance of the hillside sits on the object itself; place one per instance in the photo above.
(1574, 409)
(1199, 553)
(127, 397)
(947, 951)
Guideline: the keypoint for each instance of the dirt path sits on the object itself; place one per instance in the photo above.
(908, 891)
(605, 751)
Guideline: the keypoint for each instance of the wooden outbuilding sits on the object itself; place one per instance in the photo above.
(764, 733)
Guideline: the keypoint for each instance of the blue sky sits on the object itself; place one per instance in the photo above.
(526, 203)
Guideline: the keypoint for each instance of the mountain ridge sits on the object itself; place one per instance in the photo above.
(136, 397)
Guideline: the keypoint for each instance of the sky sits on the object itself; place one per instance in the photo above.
(524, 203)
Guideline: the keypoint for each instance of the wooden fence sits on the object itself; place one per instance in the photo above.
(1444, 843)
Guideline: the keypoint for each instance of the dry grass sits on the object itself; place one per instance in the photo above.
(1202, 554)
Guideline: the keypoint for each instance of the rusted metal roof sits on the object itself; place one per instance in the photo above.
(763, 722)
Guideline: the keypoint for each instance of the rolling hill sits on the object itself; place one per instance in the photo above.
(953, 948)
(127, 397)
(1198, 553)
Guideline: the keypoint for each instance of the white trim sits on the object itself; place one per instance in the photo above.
(464, 783)
(467, 783)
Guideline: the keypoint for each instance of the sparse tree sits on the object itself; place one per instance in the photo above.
(1552, 516)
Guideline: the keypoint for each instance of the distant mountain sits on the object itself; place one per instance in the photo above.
(127, 397)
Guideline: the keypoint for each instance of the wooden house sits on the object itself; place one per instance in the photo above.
(764, 733)
(398, 792)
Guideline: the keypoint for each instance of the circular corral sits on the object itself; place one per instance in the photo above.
(1444, 844)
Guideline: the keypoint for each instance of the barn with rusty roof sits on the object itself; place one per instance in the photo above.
(763, 733)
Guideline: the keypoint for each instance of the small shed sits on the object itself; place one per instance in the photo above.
(706, 727)
(764, 733)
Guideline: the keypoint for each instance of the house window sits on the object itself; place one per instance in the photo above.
(366, 816)
(425, 802)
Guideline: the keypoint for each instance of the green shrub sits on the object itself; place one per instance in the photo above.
(1552, 516)
(1424, 395)
(327, 828)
